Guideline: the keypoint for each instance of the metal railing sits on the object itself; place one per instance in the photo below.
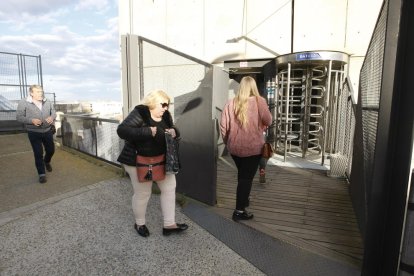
(94, 136)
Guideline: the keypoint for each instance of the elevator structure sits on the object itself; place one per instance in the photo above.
(304, 99)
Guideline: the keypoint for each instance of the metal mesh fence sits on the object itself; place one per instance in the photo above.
(370, 89)
(93, 136)
(10, 69)
(17, 73)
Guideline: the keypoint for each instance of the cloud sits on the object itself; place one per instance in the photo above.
(78, 61)
(22, 13)
(98, 5)
(34, 8)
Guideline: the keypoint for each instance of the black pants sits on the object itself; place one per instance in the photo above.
(38, 140)
(246, 170)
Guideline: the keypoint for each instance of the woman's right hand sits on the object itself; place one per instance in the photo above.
(153, 130)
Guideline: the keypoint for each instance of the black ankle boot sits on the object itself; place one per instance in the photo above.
(244, 215)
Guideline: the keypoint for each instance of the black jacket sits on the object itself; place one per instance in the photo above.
(136, 132)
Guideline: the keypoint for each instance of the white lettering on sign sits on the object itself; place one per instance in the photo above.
(243, 63)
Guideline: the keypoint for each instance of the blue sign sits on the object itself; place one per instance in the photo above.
(308, 56)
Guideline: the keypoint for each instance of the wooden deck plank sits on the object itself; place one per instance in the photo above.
(305, 205)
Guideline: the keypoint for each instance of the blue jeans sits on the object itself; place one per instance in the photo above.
(38, 141)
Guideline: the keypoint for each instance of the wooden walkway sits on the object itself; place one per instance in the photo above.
(300, 206)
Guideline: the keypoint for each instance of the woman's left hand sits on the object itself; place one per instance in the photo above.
(171, 131)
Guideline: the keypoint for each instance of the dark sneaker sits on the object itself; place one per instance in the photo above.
(42, 179)
(48, 167)
(244, 215)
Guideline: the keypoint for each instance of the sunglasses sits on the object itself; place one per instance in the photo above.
(165, 105)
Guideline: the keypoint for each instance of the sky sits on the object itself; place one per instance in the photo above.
(77, 40)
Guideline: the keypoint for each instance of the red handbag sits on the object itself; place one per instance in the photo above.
(150, 168)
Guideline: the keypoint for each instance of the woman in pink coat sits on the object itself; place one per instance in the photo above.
(242, 123)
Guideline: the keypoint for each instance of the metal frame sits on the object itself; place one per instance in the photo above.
(380, 178)
(314, 128)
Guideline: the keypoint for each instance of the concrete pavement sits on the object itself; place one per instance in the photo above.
(91, 233)
(81, 223)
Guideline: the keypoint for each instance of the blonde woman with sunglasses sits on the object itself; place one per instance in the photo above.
(144, 132)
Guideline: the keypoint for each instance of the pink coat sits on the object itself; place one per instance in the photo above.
(246, 141)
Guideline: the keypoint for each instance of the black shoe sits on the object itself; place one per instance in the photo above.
(242, 215)
(180, 228)
(42, 179)
(48, 167)
(142, 230)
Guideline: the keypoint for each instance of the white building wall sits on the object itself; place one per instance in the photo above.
(200, 28)
(320, 25)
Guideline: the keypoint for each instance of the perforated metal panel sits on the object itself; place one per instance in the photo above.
(370, 89)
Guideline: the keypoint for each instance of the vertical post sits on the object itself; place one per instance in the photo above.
(24, 71)
(292, 28)
(94, 136)
(334, 117)
(287, 112)
(326, 112)
(306, 111)
(40, 73)
(275, 113)
(141, 70)
(19, 68)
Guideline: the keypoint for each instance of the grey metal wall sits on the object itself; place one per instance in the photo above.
(383, 140)
(17, 73)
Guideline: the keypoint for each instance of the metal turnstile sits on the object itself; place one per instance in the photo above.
(307, 87)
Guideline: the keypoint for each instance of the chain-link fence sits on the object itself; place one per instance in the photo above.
(17, 73)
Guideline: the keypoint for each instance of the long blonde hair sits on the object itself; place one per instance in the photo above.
(247, 89)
